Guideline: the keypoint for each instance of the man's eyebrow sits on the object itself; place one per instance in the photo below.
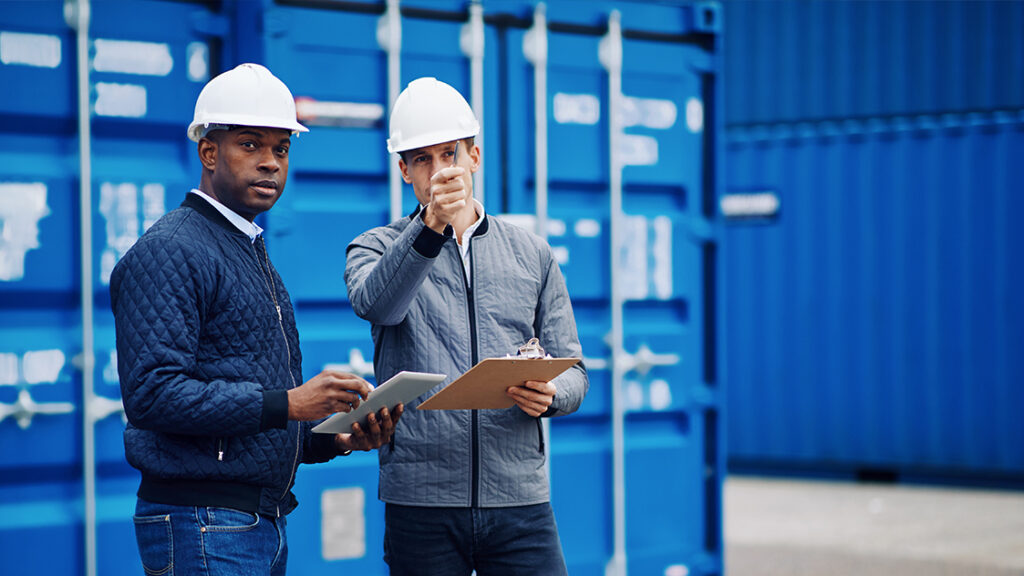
(258, 134)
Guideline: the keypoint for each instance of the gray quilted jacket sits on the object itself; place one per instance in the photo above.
(408, 281)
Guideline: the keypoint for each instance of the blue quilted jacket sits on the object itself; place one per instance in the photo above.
(207, 349)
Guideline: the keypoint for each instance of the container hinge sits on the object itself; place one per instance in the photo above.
(707, 17)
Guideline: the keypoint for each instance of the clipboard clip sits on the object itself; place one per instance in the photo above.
(531, 349)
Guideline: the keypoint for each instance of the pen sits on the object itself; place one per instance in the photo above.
(455, 156)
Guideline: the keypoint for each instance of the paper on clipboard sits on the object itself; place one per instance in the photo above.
(484, 385)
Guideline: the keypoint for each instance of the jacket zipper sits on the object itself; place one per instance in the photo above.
(540, 435)
(475, 417)
(272, 286)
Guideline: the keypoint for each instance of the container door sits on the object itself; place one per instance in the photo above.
(666, 281)
(149, 60)
(336, 63)
(147, 63)
(40, 322)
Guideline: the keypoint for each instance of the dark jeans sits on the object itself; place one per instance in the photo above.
(517, 541)
(188, 540)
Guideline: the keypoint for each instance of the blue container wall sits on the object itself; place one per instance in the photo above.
(144, 81)
(871, 324)
(792, 61)
(338, 187)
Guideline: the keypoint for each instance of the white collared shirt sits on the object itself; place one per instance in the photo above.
(466, 236)
(250, 229)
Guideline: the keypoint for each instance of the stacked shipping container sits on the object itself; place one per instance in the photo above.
(599, 123)
(873, 311)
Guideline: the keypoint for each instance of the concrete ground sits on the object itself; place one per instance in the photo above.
(777, 527)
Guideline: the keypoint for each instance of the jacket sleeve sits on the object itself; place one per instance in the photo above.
(556, 329)
(317, 447)
(156, 291)
(383, 278)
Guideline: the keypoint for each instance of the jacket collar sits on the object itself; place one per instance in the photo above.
(207, 210)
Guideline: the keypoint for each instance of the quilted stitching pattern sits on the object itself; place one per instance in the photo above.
(198, 341)
(420, 314)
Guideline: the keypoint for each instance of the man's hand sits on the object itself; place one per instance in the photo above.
(326, 393)
(533, 397)
(447, 197)
(378, 431)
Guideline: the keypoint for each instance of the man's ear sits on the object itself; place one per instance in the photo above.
(207, 153)
(405, 171)
(474, 155)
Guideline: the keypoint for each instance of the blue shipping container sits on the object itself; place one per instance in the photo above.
(64, 482)
(871, 308)
(796, 61)
(872, 323)
(612, 159)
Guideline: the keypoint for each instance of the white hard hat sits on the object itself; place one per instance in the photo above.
(247, 95)
(429, 112)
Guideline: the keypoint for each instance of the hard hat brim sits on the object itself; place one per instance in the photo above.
(430, 139)
(195, 129)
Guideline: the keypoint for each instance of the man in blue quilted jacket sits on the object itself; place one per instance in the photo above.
(208, 353)
(444, 288)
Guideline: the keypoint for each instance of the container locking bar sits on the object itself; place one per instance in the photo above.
(610, 56)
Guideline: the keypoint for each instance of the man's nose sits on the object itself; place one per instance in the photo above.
(438, 163)
(268, 160)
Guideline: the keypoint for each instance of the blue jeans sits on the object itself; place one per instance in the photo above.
(517, 541)
(187, 540)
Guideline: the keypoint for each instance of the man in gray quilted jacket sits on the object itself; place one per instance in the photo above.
(444, 288)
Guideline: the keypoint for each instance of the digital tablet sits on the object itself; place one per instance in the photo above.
(401, 388)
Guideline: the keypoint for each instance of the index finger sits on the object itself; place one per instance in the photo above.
(352, 382)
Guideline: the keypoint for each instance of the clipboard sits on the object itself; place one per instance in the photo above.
(484, 385)
(401, 388)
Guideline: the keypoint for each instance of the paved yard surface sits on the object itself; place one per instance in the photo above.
(779, 527)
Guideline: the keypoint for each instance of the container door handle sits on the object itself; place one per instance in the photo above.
(24, 408)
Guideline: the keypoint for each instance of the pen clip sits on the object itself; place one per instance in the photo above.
(531, 349)
(455, 156)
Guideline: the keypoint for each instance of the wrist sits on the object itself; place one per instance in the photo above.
(430, 220)
(341, 446)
